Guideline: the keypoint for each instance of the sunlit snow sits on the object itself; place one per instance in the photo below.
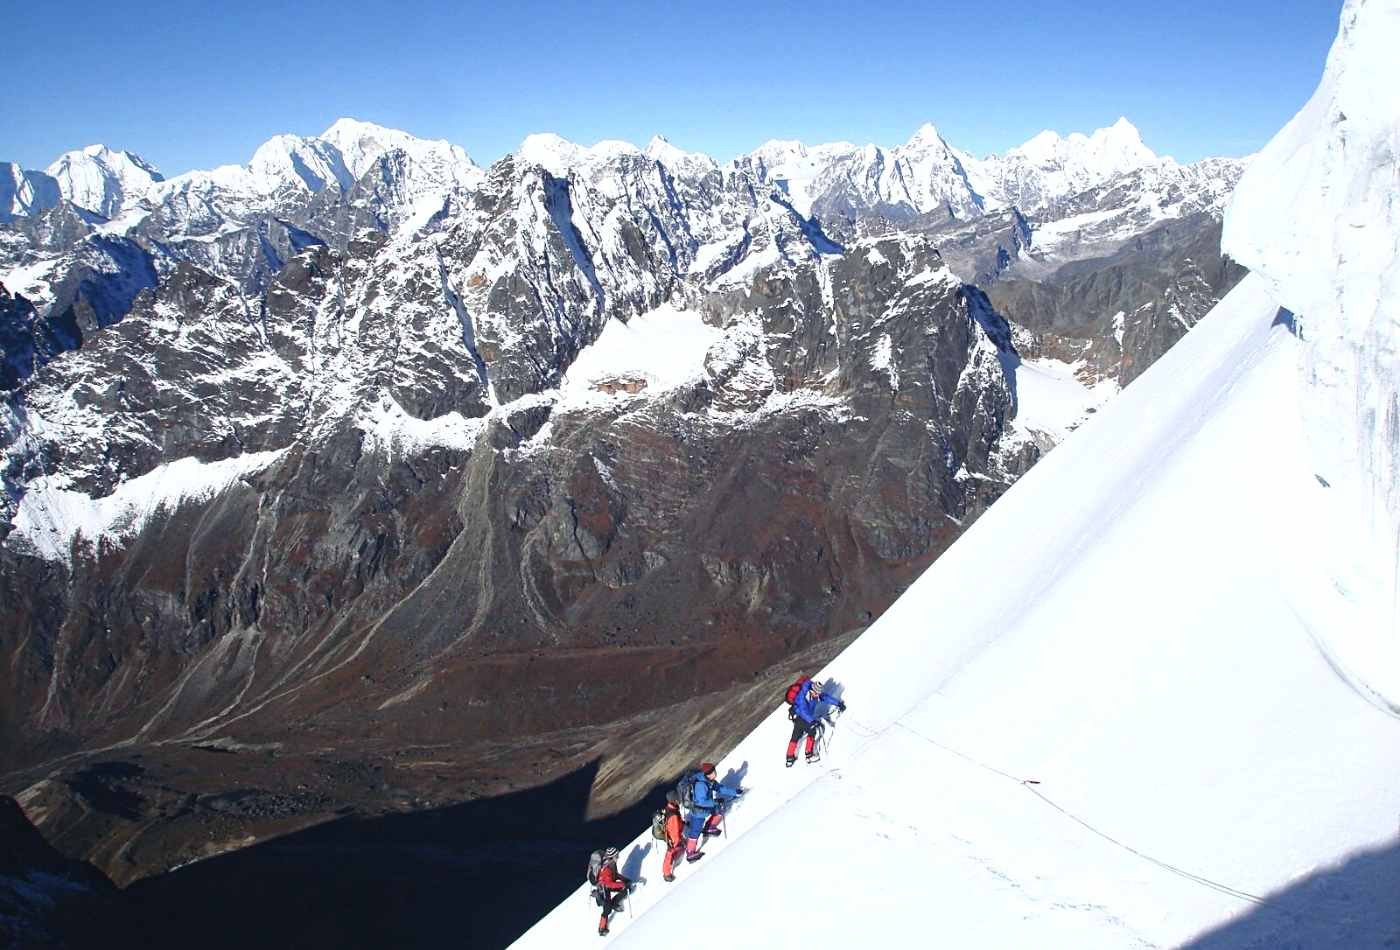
(51, 518)
(653, 352)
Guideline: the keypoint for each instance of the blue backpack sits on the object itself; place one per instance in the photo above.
(685, 790)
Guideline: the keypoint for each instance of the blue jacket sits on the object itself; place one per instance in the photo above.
(806, 707)
(706, 796)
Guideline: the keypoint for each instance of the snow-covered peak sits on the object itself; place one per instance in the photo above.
(922, 175)
(925, 136)
(659, 149)
(1122, 129)
(775, 151)
(1106, 152)
(557, 155)
(780, 156)
(1118, 148)
(416, 176)
(101, 179)
(1048, 168)
(306, 163)
(361, 144)
(1041, 148)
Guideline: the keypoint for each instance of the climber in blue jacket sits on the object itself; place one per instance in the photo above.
(707, 800)
(805, 716)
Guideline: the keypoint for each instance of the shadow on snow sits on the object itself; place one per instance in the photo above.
(1354, 905)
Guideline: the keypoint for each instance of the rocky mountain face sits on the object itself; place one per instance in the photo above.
(1115, 315)
(361, 447)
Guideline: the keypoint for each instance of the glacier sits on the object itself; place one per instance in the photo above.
(1148, 699)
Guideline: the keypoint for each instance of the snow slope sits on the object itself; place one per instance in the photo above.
(1115, 714)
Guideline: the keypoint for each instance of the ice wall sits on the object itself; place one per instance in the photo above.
(1318, 216)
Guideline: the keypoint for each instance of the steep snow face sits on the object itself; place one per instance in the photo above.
(25, 192)
(1095, 749)
(300, 162)
(1330, 251)
(103, 180)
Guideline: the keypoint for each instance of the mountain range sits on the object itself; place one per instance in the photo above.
(394, 482)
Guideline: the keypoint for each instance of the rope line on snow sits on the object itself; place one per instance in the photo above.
(1029, 784)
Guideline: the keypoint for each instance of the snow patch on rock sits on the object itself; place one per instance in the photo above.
(52, 520)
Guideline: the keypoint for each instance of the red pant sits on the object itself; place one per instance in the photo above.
(801, 727)
(673, 854)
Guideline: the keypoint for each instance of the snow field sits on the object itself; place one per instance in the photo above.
(1051, 399)
(664, 348)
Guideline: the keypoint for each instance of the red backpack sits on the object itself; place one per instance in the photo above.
(795, 690)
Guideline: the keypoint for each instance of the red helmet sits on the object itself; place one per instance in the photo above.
(707, 768)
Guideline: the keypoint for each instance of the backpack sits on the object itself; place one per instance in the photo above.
(658, 824)
(595, 866)
(795, 690)
(685, 791)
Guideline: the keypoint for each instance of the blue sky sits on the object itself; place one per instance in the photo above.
(195, 84)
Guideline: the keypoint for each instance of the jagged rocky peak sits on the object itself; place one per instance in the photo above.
(103, 180)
